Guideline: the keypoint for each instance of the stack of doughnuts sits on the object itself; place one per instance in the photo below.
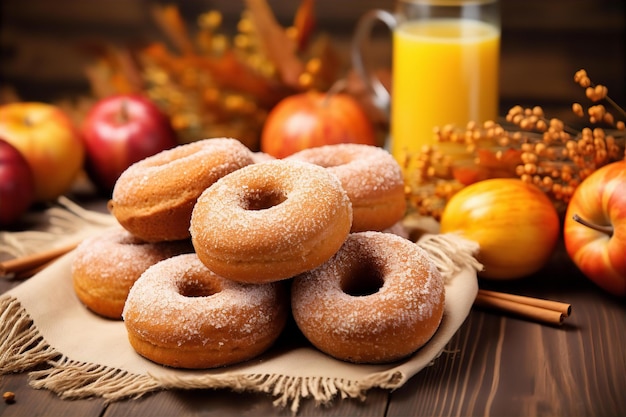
(303, 235)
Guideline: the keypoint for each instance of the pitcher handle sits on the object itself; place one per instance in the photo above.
(381, 98)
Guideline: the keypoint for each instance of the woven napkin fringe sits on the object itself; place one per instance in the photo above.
(451, 253)
(22, 348)
(73, 380)
(286, 390)
(21, 344)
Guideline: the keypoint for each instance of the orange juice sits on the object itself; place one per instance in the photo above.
(444, 71)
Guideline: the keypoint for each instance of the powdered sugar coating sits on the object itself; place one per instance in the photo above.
(105, 267)
(259, 157)
(371, 177)
(365, 171)
(179, 303)
(385, 325)
(211, 157)
(268, 213)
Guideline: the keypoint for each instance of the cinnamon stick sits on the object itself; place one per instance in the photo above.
(564, 308)
(529, 311)
(28, 273)
(31, 262)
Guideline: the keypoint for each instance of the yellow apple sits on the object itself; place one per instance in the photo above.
(48, 140)
(515, 224)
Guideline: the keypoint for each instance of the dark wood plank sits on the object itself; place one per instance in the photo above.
(30, 402)
(225, 403)
(501, 365)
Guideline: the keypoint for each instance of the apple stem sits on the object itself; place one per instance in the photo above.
(123, 114)
(28, 121)
(337, 86)
(604, 229)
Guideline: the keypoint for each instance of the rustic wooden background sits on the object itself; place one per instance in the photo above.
(42, 59)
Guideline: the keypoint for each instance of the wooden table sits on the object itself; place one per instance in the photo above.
(495, 365)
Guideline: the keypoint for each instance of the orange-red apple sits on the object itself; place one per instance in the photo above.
(312, 119)
(48, 140)
(595, 227)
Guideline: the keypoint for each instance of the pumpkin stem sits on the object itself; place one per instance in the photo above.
(604, 229)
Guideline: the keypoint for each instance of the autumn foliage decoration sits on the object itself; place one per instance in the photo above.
(212, 84)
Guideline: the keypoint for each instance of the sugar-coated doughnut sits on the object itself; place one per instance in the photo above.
(270, 221)
(371, 177)
(107, 265)
(154, 197)
(379, 299)
(182, 315)
(259, 156)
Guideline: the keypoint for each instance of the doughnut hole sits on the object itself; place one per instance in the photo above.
(195, 288)
(263, 199)
(337, 161)
(363, 279)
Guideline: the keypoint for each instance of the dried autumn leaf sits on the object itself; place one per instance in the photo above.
(506, 160)
(171, 22)
(159, 55)
(115, 71)
(226, 71)
(278, 47)
(304, 22)
(467, 175)
(229, 73)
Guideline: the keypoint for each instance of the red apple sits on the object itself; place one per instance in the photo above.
(121, 130)
(17, 185)
(595, 227)
(311, 119)
(48, 140)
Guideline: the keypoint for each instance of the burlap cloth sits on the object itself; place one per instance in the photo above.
(43, 323)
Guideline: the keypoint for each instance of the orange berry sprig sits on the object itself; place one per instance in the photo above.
(528, 145)
(597, 113)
